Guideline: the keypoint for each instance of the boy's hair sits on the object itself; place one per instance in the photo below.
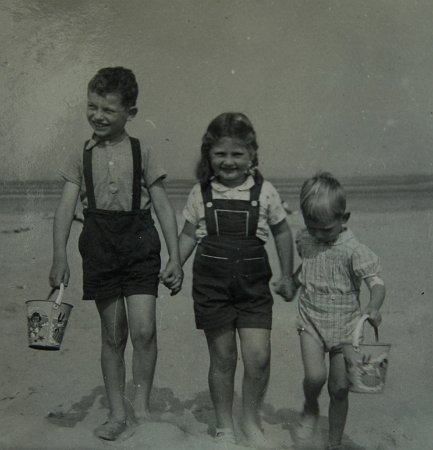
(115, 80)
(322, 198)
(227, 125)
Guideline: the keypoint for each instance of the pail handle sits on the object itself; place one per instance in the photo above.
(359, 329)
(58, 301)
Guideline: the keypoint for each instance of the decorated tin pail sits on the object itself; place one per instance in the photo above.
(366, 364)
(46, 321)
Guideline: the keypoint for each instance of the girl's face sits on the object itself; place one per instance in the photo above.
(230, 162)
(107, 115)
(325, 232)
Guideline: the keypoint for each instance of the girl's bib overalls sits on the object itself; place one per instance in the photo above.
(120, 249)
(231, 270)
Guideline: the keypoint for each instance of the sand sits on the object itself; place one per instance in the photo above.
(54, 400)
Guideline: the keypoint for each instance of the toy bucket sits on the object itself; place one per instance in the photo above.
(366, 364)
(47, 320)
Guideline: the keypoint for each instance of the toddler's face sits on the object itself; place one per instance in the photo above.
(325, 232)
(230, 162)
(107, 116)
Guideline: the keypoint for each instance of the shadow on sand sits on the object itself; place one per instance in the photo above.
(166, 407)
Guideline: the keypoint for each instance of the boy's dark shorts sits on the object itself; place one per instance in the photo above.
(232, 290)
(121, 254)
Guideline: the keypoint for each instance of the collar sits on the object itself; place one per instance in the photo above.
(93, 142)
(344, 236)
(245, 186)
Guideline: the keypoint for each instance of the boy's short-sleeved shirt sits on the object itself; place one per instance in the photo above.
(112, 169)
(271, 210)
(337, 267)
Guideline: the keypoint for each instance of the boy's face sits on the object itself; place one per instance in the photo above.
(107, 116)
(328, 231)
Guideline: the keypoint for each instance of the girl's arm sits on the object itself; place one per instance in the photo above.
(173, 274)
(284, 245)
(187, 241)
(377, 290)
(63, 218)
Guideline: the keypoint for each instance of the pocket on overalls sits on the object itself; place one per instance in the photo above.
(255, 267)
(207, 264)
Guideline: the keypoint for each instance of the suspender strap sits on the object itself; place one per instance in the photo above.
(254, 204)
(136, 180)
(88, 176)
(206, 191)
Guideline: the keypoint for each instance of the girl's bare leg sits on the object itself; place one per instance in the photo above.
(256, 354)
(142, 325)
(114, 335)
(339, 399)
(223, 359)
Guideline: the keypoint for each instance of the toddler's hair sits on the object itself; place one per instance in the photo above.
(322, 198)
(115, 80)
(232, 125)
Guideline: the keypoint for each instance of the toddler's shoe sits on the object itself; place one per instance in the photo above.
(225, 436)
(110, 430)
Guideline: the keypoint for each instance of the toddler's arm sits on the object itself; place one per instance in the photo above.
(284, 245)
(376, 287)
(61, 228)
(172, 274)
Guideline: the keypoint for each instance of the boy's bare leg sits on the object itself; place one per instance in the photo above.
(223, 359)
(114, 335)
(142, 325)
(313, 358)
(256, 354)
(339, 401)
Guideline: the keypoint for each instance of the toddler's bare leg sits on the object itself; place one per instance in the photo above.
(313, 357)
(339, 401)
(141, 318)
(114, 335)
(223, 358)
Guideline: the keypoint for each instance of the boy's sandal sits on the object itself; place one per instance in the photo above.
(110, 430)
(225, 436)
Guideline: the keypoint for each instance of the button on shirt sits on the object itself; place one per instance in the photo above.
(112, 167)
(271, 211)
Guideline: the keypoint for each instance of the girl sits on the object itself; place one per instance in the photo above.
(227, 215)
(333, 265)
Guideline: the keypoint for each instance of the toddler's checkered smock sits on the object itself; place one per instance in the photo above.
(330, 280)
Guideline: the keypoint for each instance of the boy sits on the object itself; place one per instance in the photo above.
(117, 180)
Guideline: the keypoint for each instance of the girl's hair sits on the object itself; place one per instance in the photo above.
(322, 198)
(115, 80)
(227, 125)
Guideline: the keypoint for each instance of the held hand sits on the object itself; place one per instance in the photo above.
(172, 277)
(375, 317)
(285, 287)
(59, 273)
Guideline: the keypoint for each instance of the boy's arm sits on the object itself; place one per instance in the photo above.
(187, 241)
(167, 220)
(284, 245)
(377, 290)
(61, 228)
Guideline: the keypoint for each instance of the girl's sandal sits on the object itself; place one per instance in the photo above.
(225, 436)
(110, 430)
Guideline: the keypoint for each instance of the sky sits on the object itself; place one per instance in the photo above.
(332, 85)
